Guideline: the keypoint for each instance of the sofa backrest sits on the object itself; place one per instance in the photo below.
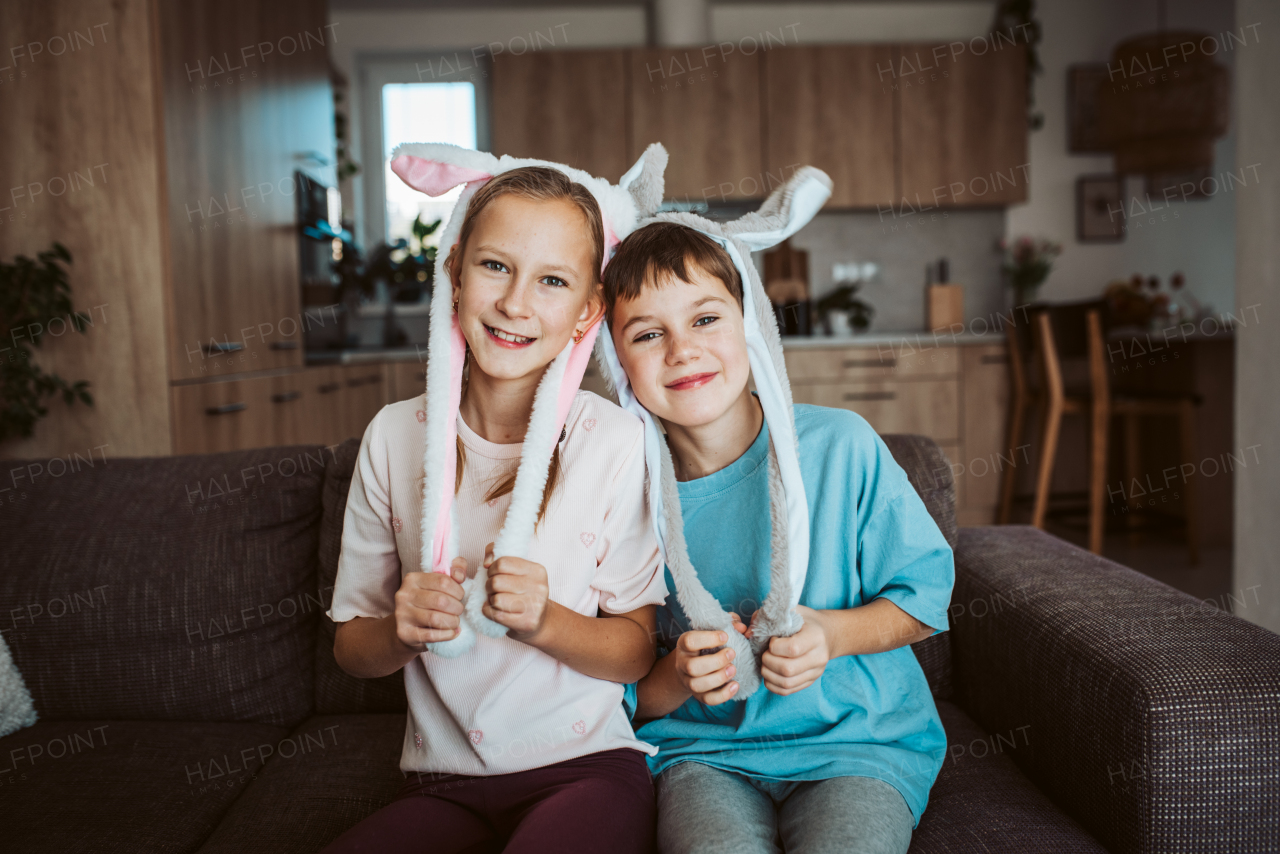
(338, 693)
(173, 588)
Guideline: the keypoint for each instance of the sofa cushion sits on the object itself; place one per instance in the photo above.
(143, 787)
(930, 473)
(337, 692)
(982, 803)
(173, 588)
(300, 803)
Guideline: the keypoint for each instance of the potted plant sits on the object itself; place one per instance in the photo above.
(33, 295)
(844, 299)
(1027, 263)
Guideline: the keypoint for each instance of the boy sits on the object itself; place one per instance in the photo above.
(839, 753)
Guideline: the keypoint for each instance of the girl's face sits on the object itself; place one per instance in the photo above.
(525, 284)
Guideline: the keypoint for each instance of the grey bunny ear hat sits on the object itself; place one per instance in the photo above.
(434, 169)
(784, 213)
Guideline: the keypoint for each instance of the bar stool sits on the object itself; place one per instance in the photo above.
(1073, 332)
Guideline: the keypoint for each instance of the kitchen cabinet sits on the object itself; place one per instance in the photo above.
(705, 109)
(962, 126)
(828, 106)
(955, 395)
(565, 106)
(408, 379)
(246, 102)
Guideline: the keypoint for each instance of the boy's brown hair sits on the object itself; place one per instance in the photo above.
(662, 249)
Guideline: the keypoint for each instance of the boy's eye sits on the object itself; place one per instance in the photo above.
(555, 281)
(710, 318)
(496, 266)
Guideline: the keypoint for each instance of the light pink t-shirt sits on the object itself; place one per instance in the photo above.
(505, 706)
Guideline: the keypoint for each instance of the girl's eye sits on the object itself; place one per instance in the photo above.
(555, 281)
(645, 336)
(710, 318)
(496, 266)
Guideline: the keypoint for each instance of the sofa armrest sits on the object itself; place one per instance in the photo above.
(1154, 718)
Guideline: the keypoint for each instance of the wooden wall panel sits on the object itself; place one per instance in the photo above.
(89, 112)
(566, 106)
(828, 106)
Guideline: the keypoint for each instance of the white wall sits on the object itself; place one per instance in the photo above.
(1257, 498)
(1195, 237)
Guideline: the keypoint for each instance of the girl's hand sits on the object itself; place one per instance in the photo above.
(708, 677)
(793, 664)
(429, 606)
(517, 594)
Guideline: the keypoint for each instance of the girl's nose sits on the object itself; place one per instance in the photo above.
(516, 300)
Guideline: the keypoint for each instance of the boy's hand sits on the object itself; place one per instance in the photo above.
(706, 677)
(517, 594)
(793, 664)
(429, 605)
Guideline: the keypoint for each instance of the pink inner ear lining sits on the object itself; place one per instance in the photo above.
(432, 176)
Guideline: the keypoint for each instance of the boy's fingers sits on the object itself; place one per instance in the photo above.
(697, 641)
(723, 694)
(712, 681)
(701, 665)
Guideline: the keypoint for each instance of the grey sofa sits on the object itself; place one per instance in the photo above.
(167, 615)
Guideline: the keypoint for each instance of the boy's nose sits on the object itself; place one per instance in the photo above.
(681, 349)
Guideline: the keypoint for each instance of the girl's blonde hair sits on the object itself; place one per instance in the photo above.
(539, 184)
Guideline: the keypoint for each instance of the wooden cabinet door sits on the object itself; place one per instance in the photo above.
(325, 396)
(365, 391)
(226, 415)
(963, 126)
(566, 106)
(831, 106)
(246, 102)
(985, 380)
(408, 379)
(706, 111)
(927, 407)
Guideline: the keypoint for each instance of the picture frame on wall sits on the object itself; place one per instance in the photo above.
(1100, 216)
(1083, 81)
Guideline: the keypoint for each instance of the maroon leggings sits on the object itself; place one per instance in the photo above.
(602, 802)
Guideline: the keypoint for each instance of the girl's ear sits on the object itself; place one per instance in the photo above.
(593, 310)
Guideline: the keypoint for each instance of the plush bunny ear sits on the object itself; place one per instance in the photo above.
(785, 212)
(435, 168)
(644, 180)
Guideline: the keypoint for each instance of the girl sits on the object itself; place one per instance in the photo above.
(517, 595)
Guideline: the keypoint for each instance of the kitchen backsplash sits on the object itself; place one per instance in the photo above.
(901, 247)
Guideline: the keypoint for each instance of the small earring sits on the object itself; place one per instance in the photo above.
(455, 305)
(577, 339)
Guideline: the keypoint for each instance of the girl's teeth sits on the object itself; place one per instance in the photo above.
(514, 339)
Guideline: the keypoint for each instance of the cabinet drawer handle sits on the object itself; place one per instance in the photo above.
(995, 360)
(226, 408)
(215, 347)
(284, 345)
(870, 363)
(286, 396)
(870, 395)
(369, 380)
(328, 388)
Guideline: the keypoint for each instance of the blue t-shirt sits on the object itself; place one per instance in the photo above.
(870, 537)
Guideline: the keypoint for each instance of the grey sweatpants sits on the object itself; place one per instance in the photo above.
(703, 810)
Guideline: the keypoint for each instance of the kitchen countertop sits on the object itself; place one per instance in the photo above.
(906, 341)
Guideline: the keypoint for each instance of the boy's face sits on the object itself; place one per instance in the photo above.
(684, 348)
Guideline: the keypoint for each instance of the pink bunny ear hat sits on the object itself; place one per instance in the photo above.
(788, 209)
(434, 169)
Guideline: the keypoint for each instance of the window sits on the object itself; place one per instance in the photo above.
(409, 99)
